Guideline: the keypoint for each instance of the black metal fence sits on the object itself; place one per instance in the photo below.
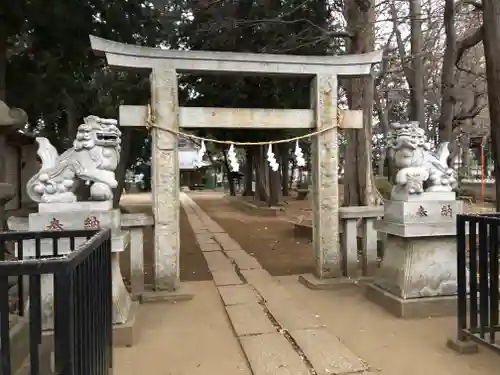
(478, 294)
(82, 299)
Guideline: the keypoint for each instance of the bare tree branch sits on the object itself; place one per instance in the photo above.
(468, 42)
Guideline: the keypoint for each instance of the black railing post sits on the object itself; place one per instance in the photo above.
(462, 278)
(493, 273)
(473, 256)
(64, 341)
(5, 366)
(483, 278)
(35, 316)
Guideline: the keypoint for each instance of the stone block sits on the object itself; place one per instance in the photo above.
(208, 247)
(272, 354)
(414, 308)
(217, 261)
(416, 229)
(126, 334)
(226, 278)
(257, 276)
(249, 319)
(243, 260)
(272, 291)
(419, 267)
(462, 347)
(312, 282)
(75, 220)
(290, 315)
(164, 296)
(422, 212)
(237, 294)
(326, 352)
(205, 238)
(226, 242)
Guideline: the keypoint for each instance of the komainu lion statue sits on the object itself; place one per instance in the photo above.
(419, 169)
(93, 158)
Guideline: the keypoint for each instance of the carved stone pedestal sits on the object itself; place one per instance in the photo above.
(418, 276)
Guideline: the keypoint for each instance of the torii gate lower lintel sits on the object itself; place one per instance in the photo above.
(164, 66)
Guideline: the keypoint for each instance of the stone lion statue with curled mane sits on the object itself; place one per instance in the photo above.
(93, 158)
(419, 169)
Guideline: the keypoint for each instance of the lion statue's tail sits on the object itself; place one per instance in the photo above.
(442, 153)
(47, 153)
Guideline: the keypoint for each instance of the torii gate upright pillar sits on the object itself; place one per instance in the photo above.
(165, 175)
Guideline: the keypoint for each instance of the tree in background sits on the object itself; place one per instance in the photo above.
(289, 27)
(48, 68)
(491, 22)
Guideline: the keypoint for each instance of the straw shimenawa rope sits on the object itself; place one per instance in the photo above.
(150, 124)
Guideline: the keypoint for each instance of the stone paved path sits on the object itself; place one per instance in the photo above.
(276, 331)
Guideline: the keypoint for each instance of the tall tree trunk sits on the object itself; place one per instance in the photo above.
(285, 157)
(275, 183)
(448, 73)
(359, 187)
(248, 191)
(122, 166)
(491, 22)
(417, 99)
(230, 180)
(292, 173)
(70, 109)
(3, 54)
(274, 187)
(383, 117)
(260, 178)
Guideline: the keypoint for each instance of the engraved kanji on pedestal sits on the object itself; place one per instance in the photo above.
(92, 222)
(55, 225)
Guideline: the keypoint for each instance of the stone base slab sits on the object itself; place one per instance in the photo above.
(416, 229)
(183, 293)
(312, 282)
(415, 308)
(462, 347)
(126, 334)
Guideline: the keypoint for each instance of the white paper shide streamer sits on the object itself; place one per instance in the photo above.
(201, 154)
(299, 155)
(233, 160)
(272, 159)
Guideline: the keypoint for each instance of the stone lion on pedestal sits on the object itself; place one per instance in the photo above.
(93, 158)
(419, 169)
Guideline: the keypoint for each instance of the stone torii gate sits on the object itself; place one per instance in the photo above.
(164, 66)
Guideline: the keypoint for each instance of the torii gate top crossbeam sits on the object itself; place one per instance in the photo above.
(131, 56)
